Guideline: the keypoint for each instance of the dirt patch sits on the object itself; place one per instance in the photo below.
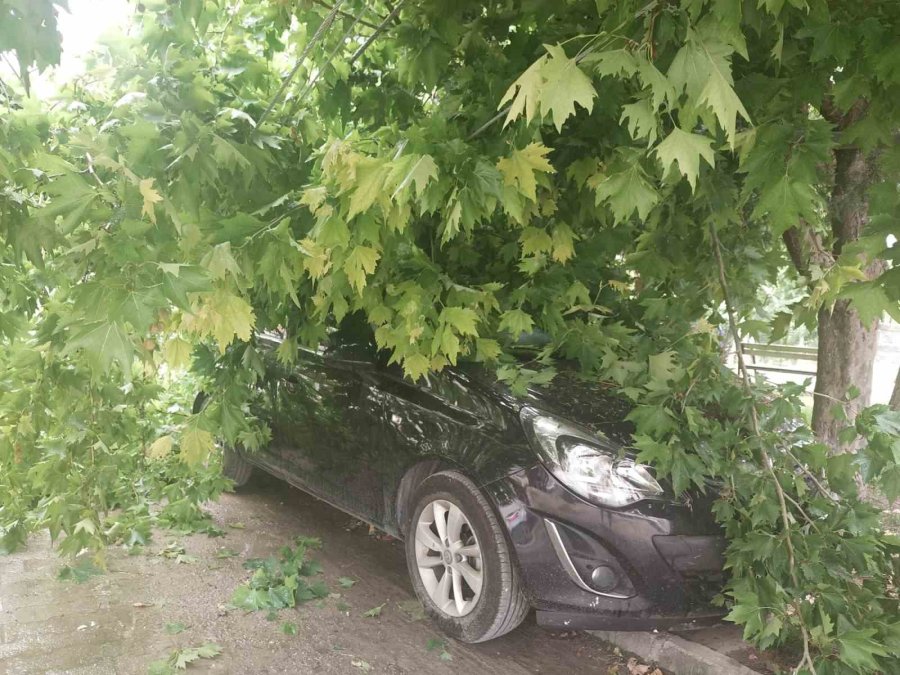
(115, 622)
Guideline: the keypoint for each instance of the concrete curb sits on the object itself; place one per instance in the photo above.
(673, 653)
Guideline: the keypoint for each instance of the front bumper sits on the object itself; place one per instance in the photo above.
(651, 565)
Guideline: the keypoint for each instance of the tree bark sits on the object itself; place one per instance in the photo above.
(846, 356)
(846, 346)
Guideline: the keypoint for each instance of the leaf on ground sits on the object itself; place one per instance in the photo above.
(175, 628)
(79, 572)
(346, 582)
(412, 609)
(289, 628)
(363, 665)
(226, 553)
(374, 612)
(237, 526)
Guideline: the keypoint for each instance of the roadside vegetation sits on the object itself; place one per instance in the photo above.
(623, 176)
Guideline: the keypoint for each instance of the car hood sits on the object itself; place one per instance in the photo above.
(589, 403)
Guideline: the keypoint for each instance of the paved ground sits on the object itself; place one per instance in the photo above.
(114, 623)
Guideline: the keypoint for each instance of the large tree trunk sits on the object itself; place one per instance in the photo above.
(846, 345)
(845, 360)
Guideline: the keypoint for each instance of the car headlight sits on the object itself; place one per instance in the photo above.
(586, 464)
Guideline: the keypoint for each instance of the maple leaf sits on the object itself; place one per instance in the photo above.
(519, 168)
(422, 171)
(195, 446)
(565, 85)
(370, 176)
(563, 243)
(626, 192)
(161, 447)
(535, 240)
(462, 319)
(685, 149)
(361, 262)
(103, 343)
(225, 316)
(528, 98)
(151, 197)
(177, 352)
(516, 322)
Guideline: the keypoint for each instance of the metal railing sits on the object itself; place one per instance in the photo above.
(765, 353)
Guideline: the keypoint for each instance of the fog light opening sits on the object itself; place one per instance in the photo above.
(604, 578)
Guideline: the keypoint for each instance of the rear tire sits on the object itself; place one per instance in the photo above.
(461, 567)
(236, 467)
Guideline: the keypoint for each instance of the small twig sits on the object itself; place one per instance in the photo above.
(320, 31)
(489, 123)
(803, 513)
(349, 15)
(812, 476)
(378, 31)
(309, 85)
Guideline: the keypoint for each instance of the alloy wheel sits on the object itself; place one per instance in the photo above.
(448, 558)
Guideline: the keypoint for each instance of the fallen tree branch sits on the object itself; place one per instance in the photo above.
(764, 455)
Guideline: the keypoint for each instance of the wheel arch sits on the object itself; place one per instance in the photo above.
(412, 478)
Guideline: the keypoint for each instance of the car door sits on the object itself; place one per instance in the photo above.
(322, 427)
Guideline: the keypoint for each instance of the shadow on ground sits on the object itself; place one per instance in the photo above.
(114, 623)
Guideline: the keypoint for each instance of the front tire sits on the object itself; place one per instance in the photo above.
(236, 467)
(461, 567)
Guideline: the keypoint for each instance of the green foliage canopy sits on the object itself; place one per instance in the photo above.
(473, 171)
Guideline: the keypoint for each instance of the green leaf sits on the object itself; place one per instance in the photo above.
(525, 93)
(289, 628)
(858, 649)
(196, 444)
(520, 167)
(870, 301)
(175, 628)
(535, 240)
(565, 85)
(462, 319)
(374, 612)
(685, 149)
(662, 366)
(361, 262)
(563, 243)
(422, 172)
(787, 202)
(415, 366)
(346, 582)
(220, 262)
(151, 197)
(370, 176)
(641, 119)
(516, 322)
(626, 192)
(80, 572)
(104, 343)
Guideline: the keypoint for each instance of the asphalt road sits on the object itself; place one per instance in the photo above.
(115, 622)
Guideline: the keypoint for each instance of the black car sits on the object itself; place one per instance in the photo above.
(505, 503)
